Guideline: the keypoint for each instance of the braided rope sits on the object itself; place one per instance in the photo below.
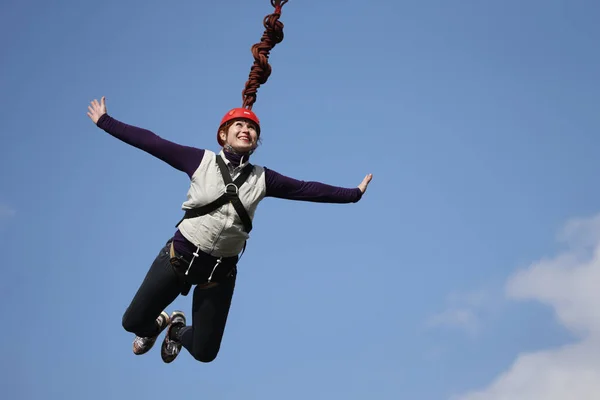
(261, 69)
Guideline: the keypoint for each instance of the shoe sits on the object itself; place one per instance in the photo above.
(142, 345)
(170, 347)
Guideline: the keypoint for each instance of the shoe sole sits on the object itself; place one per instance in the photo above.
(162, 355)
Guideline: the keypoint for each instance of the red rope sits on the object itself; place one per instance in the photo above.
(261, 69)
(278, 4)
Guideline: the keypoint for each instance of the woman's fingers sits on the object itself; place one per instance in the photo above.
(365, 182)
(96, 109)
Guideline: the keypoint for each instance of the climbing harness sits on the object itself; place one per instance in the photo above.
(231, 195)
(182, 268)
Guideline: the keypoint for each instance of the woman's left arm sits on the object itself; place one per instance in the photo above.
(284, 187)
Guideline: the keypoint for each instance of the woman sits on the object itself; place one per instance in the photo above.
(224, 192)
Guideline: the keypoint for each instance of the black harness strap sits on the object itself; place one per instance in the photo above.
(232, 188)
(230, 195)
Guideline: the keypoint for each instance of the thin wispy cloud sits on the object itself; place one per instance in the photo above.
(462, 312)
(568, 283)
(460, 318)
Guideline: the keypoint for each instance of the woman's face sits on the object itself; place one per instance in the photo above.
(241, 135)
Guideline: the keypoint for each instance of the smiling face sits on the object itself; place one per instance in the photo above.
(241, 135)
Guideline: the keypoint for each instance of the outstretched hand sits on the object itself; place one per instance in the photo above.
(363, 185)
(96, 110)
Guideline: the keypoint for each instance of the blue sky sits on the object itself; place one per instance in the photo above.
(479, 121)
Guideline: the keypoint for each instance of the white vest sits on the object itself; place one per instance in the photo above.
(221, 232)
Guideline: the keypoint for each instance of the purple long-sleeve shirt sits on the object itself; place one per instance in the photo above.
(187, 159)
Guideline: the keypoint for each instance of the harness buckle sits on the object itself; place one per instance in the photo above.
(231, 189)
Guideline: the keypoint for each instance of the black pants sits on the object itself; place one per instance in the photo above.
(210, 308)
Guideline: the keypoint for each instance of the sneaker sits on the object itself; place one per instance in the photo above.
(170, 347)
(141, 345)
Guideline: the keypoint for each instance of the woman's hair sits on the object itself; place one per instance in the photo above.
(261, 70)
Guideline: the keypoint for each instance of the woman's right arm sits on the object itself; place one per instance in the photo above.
(183, 158)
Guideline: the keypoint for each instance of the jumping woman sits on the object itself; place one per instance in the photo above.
(224, 192)
(225, 189)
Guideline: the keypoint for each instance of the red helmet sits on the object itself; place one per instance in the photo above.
(235, 113)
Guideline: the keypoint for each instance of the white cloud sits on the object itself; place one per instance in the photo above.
(570, 284)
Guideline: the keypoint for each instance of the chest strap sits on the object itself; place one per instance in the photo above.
(230, 196)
